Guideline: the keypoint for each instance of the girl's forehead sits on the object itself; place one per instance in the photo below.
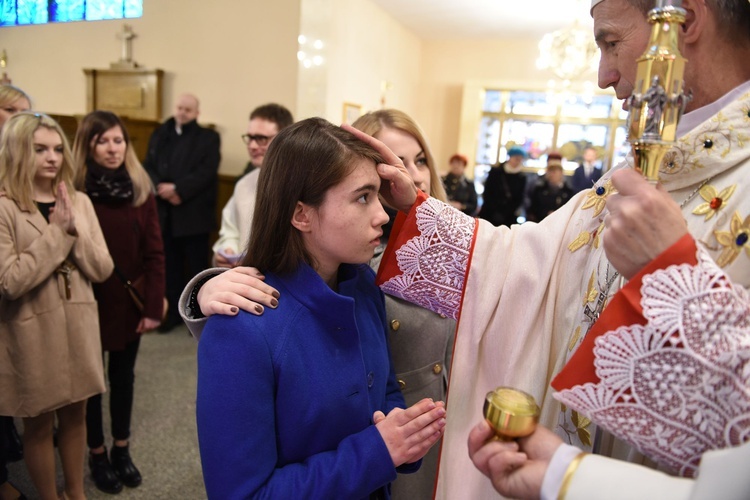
(46, 134)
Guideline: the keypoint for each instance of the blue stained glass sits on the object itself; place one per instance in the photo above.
(103, 9)
(32, 12)
(7, 13)
(530, 103)
(67, 10)
(133, 8)
(15, 12)
(588, 107)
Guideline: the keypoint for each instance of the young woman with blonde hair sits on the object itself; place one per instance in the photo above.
(12, 100)
(51, 250)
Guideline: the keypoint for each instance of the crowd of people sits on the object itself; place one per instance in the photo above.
(513, 194)
(359, 312)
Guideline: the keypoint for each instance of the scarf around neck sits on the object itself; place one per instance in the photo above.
(107, 185)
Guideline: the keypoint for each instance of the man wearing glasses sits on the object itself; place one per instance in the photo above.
(265, 123)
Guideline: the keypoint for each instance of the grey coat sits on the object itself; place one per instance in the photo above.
(421, 344)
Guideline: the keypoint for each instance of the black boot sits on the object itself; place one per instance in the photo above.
(124, 467)
(103, 474)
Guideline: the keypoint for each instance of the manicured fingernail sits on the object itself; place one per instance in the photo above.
(233, 310)
(258, 309)
(276, 294)
(274, 303)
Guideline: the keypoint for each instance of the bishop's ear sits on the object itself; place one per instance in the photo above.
(697, 14)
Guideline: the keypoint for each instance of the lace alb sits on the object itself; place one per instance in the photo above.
(680, 385)
(434, 262)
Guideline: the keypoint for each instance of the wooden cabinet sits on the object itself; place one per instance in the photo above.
(133, 93)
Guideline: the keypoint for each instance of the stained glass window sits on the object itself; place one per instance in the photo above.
(19, 12)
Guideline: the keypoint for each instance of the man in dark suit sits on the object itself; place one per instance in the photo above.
(183, 162)
(587, 172)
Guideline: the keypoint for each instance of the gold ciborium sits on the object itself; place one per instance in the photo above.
(511, 413)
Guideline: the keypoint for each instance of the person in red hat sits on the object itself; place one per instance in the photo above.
(460, 190)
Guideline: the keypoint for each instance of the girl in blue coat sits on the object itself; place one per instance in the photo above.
(302, 402)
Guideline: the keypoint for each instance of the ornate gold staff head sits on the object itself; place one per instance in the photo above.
(658, 100)
(511, 413)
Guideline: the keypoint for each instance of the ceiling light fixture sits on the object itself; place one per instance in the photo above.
(570, 53)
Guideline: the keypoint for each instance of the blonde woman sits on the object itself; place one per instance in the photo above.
(51, 249)
(12, 100)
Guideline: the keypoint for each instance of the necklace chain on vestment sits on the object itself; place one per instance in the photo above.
(593, 314)
(696, 190)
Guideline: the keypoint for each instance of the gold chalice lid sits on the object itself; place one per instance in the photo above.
(511, 413)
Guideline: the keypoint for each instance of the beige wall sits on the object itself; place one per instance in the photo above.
(222, 50)
(364, 48)
(448, 65)
(372, 48)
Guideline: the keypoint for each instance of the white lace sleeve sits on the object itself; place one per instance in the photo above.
(433, 265)
(680, 385)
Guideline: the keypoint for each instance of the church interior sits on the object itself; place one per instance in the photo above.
(331, 58)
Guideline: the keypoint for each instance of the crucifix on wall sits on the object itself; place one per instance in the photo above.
(126, 56)
(126, 88)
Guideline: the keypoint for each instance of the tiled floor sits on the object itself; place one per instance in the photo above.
(164, 444)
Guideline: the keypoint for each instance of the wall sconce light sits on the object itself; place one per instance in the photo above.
(310, 51)
(4, 80)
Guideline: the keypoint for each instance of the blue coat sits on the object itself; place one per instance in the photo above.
(285, 400)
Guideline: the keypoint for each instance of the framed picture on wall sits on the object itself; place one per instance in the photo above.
(351, 112)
